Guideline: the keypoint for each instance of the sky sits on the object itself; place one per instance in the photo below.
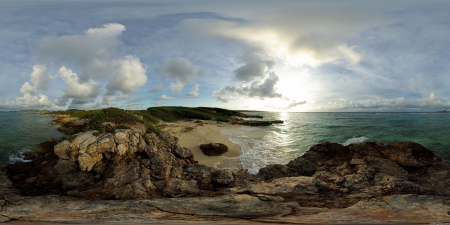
(284, 55)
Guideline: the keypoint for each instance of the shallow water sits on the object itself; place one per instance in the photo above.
(21, 132)
(280, 143)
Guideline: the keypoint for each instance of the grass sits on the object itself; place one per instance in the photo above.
(150, 117)
(187, 129)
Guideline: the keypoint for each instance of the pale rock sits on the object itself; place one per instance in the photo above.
(62, 150)
(121, 136)
(84, 139)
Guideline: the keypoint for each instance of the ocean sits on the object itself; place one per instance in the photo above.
(22, 132)
(276, 144)
(280, 143)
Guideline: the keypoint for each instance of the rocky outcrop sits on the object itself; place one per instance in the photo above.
(255, 123)
(347, 174)
(213, 149)
(243, 115)
(69, 125)
(330, 182)
(6, 185)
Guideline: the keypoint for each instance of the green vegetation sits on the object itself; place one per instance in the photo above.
(175, 113)
(150, 117)
(187, 129)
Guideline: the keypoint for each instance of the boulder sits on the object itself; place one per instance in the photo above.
(46, 146)
(213, 149)
(222, 177)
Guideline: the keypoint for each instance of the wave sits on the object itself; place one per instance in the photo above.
(18, 156)
(260, 147)
(355, 140)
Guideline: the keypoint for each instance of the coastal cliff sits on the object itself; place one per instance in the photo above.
(130, 174)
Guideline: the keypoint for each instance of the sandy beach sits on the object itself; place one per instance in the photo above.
(193, 133)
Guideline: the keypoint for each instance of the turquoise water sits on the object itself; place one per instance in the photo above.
(21, 132)
(281, 143)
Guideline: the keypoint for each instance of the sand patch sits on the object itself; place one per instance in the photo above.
(192, 134)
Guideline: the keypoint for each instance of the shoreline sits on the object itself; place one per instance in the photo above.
(191, 134)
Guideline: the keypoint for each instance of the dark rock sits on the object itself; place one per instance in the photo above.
(181, 188)
(243, 115)
(182, 153)
(46, 146)
(213, 149)
(276, 171)
(222, 177)
(65, 166)
(303, 166)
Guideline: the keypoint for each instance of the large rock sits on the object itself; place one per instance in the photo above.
(292, 187)
(235, 206)
(46, 146)
(213, 149)
(6, 185)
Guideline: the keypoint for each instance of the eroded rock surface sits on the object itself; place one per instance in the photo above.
(401, 181)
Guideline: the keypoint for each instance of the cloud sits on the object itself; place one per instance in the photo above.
(295, 104)
(258, 89)
(164, 97)
(180, 71)
(76, 91)
(432, 102)
(129, 76)
(193, 93)
(103, 72)
(93, 53)
(156, 89)
(39, 78)
(255, 64)
(31, 98)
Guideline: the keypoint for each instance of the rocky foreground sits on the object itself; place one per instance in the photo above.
(129, 175)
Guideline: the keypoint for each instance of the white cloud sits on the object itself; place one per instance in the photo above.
(164, 97)
(76, 91)
(39, 78)
(102, 70)
(180, 71)
(193, 93)
(129, 76)
(93, 53)
(28, 89)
